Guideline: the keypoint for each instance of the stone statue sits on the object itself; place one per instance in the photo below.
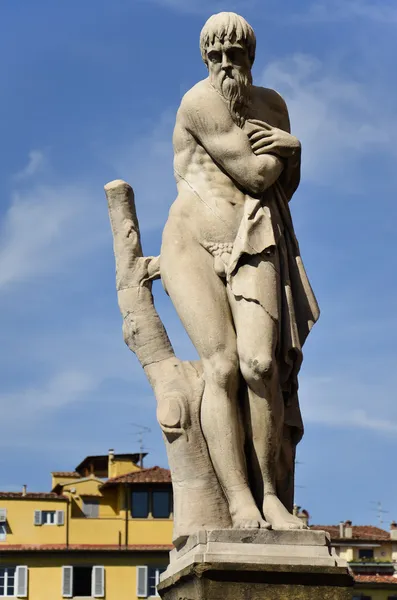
(231, 265)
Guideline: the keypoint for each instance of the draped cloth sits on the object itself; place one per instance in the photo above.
(266, 234)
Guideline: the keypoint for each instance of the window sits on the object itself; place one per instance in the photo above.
(148, 579)
(3, 532)
(91, 508)
(151, 503)
(49, 517)
(365, 553)
(7, 581)
(161, 505)
(14, 582)
(154, 579)
(140, 505)
(83, 582)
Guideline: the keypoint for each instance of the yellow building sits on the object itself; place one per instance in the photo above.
(104, 531)
(371, 553)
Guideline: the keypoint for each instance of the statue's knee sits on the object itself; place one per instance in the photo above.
(221, 369)
(255, 370)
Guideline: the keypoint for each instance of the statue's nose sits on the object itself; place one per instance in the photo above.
(226, 64)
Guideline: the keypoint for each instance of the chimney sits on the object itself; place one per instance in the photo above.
(393, 531)
(304, 516)
(110, 463)
(348, 529)
(341, 529)
(24, 488)
(295, 510)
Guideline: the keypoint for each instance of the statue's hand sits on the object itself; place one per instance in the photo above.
(266, 139)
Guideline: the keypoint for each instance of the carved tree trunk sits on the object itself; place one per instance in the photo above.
(199, 502)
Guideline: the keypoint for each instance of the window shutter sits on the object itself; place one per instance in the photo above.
(22, 582)
(67, 582)
(98, 582)
(141, 582)
(37, 517)
(3, 515)
(60, 517)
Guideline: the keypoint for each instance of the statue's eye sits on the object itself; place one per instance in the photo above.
(214, 56)
(236, 55)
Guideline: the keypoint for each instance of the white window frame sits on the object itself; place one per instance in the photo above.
(48, 513)
(6, 582)
(3, 532)
(96, 571)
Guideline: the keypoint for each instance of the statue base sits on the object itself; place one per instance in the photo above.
(256, 565)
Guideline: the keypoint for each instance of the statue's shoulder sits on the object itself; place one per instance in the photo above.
(199, 98)
(271, 98)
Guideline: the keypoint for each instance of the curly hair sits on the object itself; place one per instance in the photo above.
(227, 26)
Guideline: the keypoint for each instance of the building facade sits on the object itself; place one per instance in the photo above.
(371, 553)
(103, 531)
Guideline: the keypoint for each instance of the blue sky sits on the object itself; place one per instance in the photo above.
(89, 93)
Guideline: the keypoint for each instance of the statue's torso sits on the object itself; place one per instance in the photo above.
(209, 203)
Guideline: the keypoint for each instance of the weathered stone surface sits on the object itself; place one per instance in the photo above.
(220, 581)
(255, 547)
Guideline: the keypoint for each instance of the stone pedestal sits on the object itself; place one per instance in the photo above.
(256, 565)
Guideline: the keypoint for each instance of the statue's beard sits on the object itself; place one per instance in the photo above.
(236, 92)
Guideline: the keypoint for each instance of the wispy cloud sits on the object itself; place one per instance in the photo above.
(336, 117)
(339, 10)
(147, 166)
(343, 402)
(35, 164)
(60, 389)
(45, 226)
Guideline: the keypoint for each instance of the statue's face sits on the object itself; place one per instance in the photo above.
(227, 62)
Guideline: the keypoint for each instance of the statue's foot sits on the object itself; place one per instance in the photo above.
(278, 516)
(247, 517)
(250, 524)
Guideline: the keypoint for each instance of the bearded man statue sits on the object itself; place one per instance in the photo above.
(231, 264)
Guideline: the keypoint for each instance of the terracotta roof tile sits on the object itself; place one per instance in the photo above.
(83, 547)
(376, 579)
(360, 532)
(32, 496)
(152, 475)
(66, 474)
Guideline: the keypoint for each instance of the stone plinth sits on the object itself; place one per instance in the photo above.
(256, 565)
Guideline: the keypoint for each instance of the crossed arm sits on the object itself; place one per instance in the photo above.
(254, 158)
(228, 145)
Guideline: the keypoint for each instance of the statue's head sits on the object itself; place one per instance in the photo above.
(227, 44)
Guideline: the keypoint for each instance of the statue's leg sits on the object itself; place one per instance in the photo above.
(200, 300)
(257, 335)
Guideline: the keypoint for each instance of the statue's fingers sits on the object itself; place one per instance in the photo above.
(264, 142)
(259, 135)
(265, 150)
(255, 130)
